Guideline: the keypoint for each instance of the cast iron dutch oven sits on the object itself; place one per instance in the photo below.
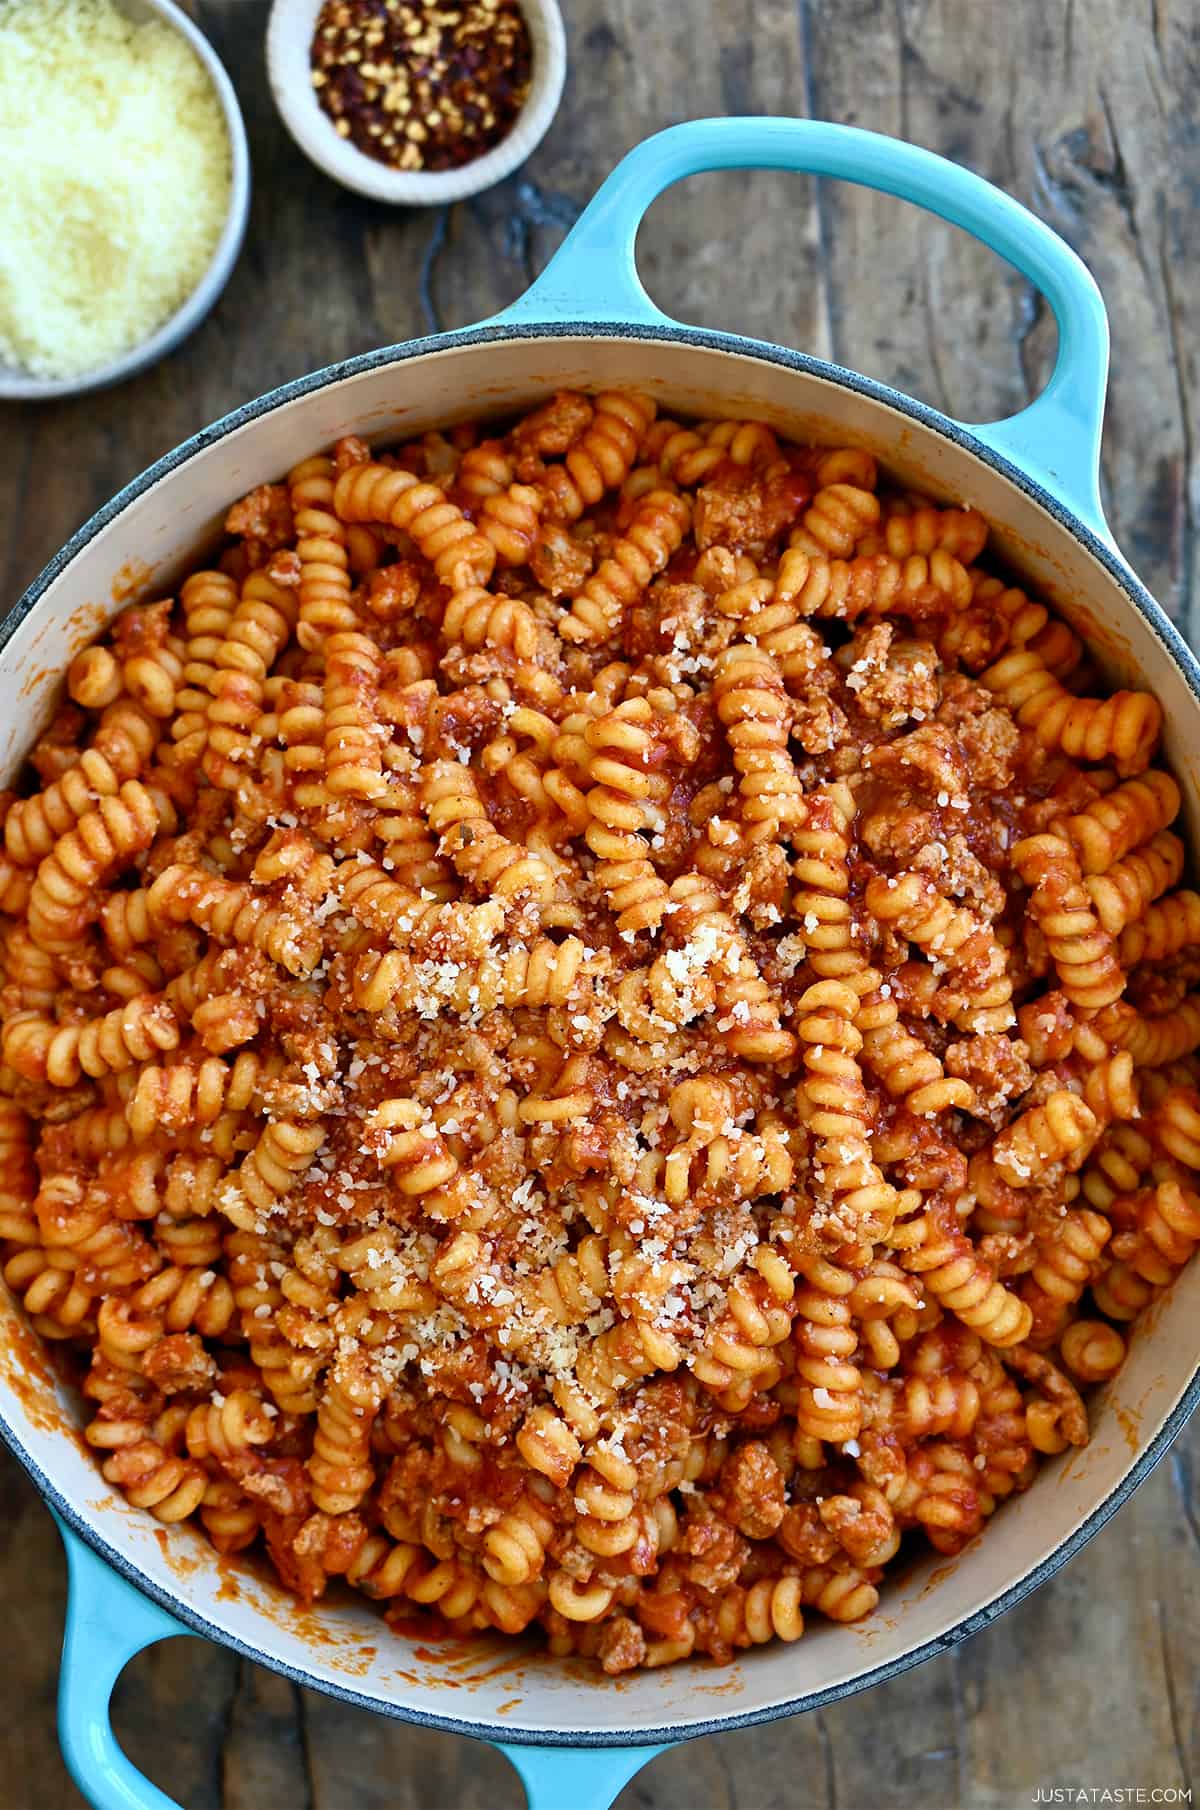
(587, 323)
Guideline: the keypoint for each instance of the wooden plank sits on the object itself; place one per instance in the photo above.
(171, 1711)
(737, 250)
(1095, 129)
(364, 1762)
(750, 1769)
(914, 301)
(33, 1597)
(264, 1756)
(1090, 1682)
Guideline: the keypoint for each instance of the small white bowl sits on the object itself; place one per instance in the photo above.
(289, 42)
(17, 385)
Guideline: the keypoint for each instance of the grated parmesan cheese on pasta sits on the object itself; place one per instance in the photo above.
(116, 181)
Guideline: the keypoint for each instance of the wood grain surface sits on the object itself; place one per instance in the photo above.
(1088, 110)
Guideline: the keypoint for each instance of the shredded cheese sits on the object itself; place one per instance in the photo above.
(116, 181)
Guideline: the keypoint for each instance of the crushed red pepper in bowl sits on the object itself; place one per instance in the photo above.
(422, 84)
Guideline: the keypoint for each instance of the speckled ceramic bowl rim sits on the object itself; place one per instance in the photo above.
(17, 385)
(1135, 594)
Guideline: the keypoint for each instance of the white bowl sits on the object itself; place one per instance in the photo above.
(289, 41)
(17, 385)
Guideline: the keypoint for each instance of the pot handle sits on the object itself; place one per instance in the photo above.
(575, 1778)
(1056, 440)
(108, 1621)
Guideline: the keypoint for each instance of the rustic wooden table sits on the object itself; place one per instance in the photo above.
(1088, 111)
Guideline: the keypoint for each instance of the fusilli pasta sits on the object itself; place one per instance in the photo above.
(613, 1101)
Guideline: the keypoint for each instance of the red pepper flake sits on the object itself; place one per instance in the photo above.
(422, 84)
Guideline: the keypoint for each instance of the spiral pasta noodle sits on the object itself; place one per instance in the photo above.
(478, 851)
(839, 516)
(1122, 820)
(752, 705)
(626, 800)
(658, 526)
(834, 1107)
(231, 912)
(258, 630)
(34, 825)
(1123, 728)
(398, 499)
(953, 936)
(601, 457)
(961, 1279)
(208, 601)
(962, 532)
(353, 765)
(510, 520)
(828, 1400)
(63, 897)
(1120, 895)
(323, 590)
(528, 652)
(1083, 952)
(908, 1069)
(817, 585)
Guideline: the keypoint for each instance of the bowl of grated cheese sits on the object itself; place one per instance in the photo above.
(125, 192)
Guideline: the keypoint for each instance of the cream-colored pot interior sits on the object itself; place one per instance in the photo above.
(345, 1645)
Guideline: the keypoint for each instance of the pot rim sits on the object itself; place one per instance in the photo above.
(1135, 593)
